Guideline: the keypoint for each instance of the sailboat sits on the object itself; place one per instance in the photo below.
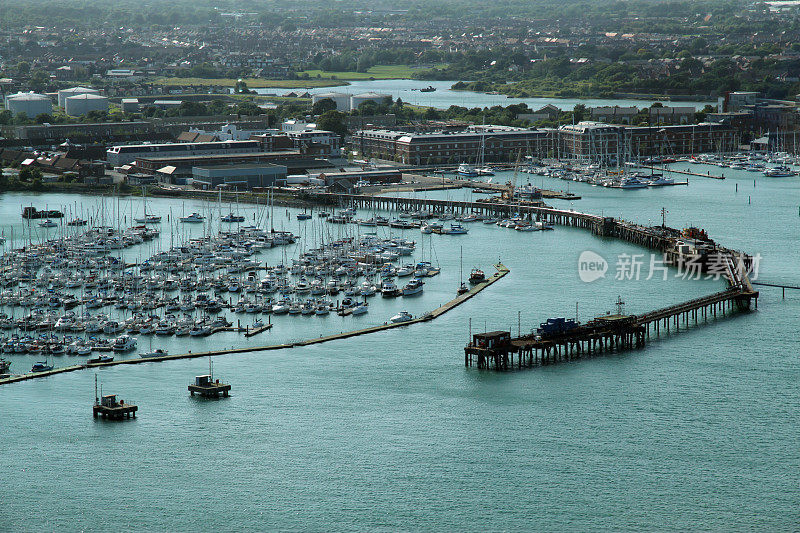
(463, 287)
(147, 219)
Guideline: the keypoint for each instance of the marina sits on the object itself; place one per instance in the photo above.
(325, 386)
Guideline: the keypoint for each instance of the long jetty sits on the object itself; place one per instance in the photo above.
(502, 270)
(659, 238)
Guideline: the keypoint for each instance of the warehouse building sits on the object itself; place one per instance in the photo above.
(122, 155)
(239, 177)
(342, 100)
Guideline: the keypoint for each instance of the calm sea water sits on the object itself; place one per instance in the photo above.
(444, 97)
(390, 431)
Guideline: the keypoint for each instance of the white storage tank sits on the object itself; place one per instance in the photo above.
(63, 94)
(30, 103)
(342, 100)
(358, 99)
(81, 104)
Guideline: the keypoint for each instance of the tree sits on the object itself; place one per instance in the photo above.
(322, 106)
(579, 112)
(332, 121)
(41, 118)
(249, 109)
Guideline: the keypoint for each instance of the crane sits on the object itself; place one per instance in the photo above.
(509, 193)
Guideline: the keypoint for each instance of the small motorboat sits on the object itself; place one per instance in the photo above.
(41, 366)
(158, 352)
(476, 276)
(100, 359)
(231, 218)
(194, 218)
(402, 316)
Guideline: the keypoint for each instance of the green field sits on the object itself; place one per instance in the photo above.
(379, 72)
(252, 83)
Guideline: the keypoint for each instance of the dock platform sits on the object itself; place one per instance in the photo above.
(207, 387)
(109, 408)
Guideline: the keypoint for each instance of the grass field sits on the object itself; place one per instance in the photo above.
(252, 83)
(379, 72)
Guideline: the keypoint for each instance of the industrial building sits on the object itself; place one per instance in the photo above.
(342, 100)
(358, 99)
(130, 105)
(30, 103)
(347, 102)
(121, 155)
(81, 104)
(63, 94)
(294, 161)
(241, 177)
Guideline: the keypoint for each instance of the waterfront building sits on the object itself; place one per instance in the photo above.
(240, 177)
(500, 144)
(124, 154)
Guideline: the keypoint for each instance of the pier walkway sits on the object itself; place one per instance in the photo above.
(613, 332)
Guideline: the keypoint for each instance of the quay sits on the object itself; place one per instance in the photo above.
(109, 408)
(502, 271)
(207, 387)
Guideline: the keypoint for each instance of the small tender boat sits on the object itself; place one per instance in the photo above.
(303, 216)
(47, 224)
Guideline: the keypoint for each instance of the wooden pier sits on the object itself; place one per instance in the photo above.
(610, 333)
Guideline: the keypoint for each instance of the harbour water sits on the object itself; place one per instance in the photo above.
(444, 97)
(389, 431)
